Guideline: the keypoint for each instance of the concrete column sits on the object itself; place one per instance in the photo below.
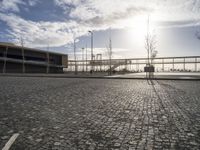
(23, 65)
(5, 60)
(101, 62)
(47, 63)
(195, 65)
(138, 67)
(184, 64)
(126, 65)
(163, 65)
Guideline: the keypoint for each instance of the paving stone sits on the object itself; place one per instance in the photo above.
(99, 114)
(57, 143)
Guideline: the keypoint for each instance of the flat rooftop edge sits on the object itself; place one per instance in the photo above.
(12, 45)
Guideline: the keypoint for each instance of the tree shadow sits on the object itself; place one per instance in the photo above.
(150, 81)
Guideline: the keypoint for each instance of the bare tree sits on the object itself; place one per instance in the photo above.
(150, 46)
(110, 53)
(153, 44)
(153, 55)
(198, 35)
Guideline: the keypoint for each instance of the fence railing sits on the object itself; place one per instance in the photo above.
(187, 63)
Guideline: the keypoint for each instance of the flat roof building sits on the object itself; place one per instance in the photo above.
(18, 59)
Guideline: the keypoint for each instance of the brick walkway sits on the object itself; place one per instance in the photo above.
(99, 114)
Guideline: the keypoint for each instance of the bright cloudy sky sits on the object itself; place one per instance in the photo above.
(55, 22)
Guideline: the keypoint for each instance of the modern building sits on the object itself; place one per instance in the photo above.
(18, 59)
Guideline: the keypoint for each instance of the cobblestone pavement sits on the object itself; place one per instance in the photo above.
(70, 114)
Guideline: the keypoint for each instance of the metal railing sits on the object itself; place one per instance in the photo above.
(187, 63)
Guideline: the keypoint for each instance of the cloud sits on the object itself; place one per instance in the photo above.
(101, 13)
(10, 5)
(84, 15)
(41, 33)
(114, 12)
(179, 24)
(33, 2)
(14, 5)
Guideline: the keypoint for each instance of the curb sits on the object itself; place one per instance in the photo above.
(97, 77)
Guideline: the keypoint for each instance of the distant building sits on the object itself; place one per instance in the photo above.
(17, 59)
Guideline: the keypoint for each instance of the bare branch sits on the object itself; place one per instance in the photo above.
(150, 45)
(198, 35)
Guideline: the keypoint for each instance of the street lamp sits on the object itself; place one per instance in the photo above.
(86, 58)
(91, 50)
(75, 63)
(83, 58)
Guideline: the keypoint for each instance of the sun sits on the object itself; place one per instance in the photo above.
(139, 27)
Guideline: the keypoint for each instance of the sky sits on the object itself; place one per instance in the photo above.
(53, 25)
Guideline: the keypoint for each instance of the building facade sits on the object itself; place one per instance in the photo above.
(17, 59)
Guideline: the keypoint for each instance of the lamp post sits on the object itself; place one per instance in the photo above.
(83, 58)
(86, 58)
(22, 45)
(75, 63)
(91, 50)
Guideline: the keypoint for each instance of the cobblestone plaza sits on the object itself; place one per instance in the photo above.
(99, 114)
